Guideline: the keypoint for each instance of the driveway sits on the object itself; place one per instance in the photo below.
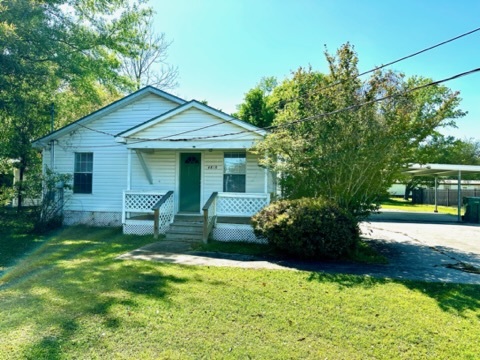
(427, 250)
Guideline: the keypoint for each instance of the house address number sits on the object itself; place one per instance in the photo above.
(212, 167)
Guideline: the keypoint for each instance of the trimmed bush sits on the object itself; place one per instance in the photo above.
(308, 228)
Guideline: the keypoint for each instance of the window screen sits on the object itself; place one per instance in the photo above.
(234, 172)
(83, 171)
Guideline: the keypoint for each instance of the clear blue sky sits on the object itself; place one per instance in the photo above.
(223, 47)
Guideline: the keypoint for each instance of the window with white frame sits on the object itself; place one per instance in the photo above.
(234, 171)
(83, 173)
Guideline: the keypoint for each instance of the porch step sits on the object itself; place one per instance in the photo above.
(182, 223)
(188, 218)
(186, 228)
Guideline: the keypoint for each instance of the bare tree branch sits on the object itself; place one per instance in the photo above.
(148, 66)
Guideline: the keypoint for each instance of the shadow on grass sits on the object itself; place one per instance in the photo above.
(74, 278)
(16, 239)
(416, 266)
(456, 298)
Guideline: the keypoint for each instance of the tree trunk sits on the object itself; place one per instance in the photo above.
(20, 188)
(408, 189)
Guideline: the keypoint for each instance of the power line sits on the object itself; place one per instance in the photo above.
(321, 89)
(314, 117)
(95, 130)
(294, 122)
(343, 81)
(420, 52)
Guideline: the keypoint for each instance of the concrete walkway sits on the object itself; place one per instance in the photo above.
(427, 251)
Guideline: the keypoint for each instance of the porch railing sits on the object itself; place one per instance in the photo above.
(163, 213)
(209, 215)
(138, 213)
(231, 204)
(241, 204)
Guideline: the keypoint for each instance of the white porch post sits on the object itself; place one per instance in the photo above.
(265, 187)
(459, 189)
(129, 168)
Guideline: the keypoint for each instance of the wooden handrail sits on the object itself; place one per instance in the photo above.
(207, 226)
(162, 200)
(156, 213)
(210, 200)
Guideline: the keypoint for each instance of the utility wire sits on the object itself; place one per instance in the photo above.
(321, 89)
(419, 52)
(343, 81)
(294, 122)
(314, 117)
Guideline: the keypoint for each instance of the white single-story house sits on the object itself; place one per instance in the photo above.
(152, 162)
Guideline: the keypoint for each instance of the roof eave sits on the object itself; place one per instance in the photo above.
(184, 107)
(43, 141)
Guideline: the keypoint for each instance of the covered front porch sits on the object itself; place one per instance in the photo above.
(194, 161)
(224, 216)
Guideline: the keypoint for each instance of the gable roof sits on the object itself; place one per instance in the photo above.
(180, 109)
(106, 110)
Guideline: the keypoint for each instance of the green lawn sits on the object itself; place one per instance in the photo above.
(71, 299)
(15, 235)
(400, 204)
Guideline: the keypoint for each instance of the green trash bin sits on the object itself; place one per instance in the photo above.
(472, 209)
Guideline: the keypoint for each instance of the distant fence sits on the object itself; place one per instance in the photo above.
(446, 197)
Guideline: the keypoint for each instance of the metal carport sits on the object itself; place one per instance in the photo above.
(437, 170)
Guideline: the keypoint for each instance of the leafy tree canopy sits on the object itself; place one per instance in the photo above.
(335, 140)
(62, 51)
(258, 108)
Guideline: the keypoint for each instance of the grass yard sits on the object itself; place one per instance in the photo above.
(404, 205)
(15, 236)
(71, 299)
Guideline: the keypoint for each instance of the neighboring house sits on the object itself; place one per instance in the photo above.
(152, 149)
(453, 184)
(25, 201)
(398, 189)
(8, 180)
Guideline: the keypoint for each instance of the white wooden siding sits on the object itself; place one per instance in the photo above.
(213, 176)
(109, 157)
(272, 183)
(162, 166)
(46, 158)
(193, 119)
(255, 180)
(212, 173)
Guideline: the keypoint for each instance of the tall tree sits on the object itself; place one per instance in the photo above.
(334, 140)
(148, 66)
(257, 107)
(51, 47)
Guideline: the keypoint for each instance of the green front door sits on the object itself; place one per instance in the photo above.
(190, 165)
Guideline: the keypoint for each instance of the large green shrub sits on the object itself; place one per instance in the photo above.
(308, 228)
